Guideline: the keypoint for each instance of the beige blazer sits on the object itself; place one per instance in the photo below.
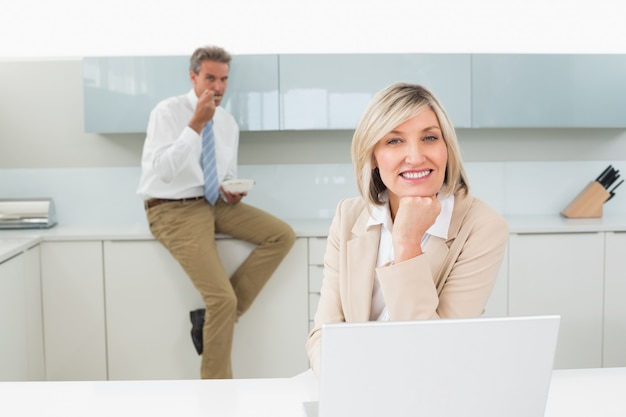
(453, 278)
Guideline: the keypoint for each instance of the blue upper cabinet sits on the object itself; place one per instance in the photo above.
(331, 91)
(120, 92)
(532, 90)
(252, 93)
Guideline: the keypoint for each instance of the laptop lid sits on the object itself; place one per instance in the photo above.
(483, 367)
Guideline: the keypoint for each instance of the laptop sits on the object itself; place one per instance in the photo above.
(481, 367)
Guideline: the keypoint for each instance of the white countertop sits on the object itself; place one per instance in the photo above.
(573, 393)
(558, 224)
(12, 241)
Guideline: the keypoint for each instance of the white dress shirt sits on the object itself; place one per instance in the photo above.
(171, 165)
(381, 215)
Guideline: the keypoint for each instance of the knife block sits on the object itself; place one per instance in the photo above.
(588, 203)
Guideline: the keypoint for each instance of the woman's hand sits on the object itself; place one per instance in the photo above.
(414, 217)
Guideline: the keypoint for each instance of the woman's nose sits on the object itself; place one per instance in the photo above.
(414, 153)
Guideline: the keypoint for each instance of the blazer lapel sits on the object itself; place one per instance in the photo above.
(361, 274)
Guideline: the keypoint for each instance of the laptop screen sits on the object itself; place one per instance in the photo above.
(483, 367)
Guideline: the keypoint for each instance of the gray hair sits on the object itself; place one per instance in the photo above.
(210, 53)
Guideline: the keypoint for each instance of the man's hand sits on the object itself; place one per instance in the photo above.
(232, 198)
(205, 109)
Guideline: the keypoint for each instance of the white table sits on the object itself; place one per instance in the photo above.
(573, 393)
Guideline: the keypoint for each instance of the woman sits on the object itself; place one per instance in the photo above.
(416, 244)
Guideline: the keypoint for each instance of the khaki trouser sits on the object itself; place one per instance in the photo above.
(187, 229)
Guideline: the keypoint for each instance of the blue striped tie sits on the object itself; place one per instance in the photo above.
(211, 187)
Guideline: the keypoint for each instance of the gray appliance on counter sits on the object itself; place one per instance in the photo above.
(31, 213)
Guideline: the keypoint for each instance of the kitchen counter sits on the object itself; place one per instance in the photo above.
(13, 241)
(9, 247)
(558, 224)
(573, 393)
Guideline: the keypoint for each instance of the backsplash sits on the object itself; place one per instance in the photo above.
(307, 191)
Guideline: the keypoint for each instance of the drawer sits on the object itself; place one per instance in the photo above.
(316, 275)
(317, 249)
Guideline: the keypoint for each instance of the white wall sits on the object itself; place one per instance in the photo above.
(71, 28)
(44, 148)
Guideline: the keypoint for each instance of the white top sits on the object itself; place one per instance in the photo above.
(171, 161)
(573, 393)
(381, 215)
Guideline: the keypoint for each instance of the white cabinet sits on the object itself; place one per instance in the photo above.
(34, 314)
(73, 308)
(13, 341)
(149, 297)
(561, 274)
(615, 300)
(317, 249)
(21, 327)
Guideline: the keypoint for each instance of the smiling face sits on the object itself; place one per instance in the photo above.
(412, 158)
(212, 76)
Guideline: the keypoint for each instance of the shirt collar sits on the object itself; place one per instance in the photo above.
(380, 214)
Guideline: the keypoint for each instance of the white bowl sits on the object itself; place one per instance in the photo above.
(238, 186)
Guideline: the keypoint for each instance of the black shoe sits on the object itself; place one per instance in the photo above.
(197, 322)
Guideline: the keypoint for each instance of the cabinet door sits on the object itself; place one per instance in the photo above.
(13, 330)
(331, 91)
(548, 90)
(561, 274)
(73, 308)
(148, 299)
(614, 301)
(120, 92)
(270, 337)
(317, 249)
(148, 302)
(21, 325)
(252, 93)
(34, 314)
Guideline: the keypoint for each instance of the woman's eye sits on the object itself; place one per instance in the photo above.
(393, 141)
(430, 138)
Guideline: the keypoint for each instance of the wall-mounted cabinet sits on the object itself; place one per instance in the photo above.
(252, 93)
(530, 90)
(120, 92)
(331, 91)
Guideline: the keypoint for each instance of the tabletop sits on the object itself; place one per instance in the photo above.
(573, 393)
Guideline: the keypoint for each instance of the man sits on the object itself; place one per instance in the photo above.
(184, 217)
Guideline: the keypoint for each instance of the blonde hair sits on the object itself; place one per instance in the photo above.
(388, 109)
